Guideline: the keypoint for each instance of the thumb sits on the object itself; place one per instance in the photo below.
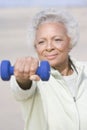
(34, 78)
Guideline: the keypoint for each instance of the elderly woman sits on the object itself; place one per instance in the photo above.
(61, 102)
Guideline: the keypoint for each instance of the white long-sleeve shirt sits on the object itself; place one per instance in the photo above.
(51, 106)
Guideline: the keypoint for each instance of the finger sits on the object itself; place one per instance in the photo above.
(20, 63)
(34, 66)
(34, 78)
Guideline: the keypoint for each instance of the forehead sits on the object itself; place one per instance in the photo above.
(51, 27)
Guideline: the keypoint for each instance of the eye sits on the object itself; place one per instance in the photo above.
(41, 42)
(58, 39)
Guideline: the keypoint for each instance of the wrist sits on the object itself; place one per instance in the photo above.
(25, 85)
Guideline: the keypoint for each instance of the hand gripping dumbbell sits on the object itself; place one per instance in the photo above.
(6, 70)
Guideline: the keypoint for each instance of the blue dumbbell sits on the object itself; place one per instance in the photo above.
(6, 70)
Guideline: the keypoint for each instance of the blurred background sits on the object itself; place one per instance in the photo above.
(14, 22)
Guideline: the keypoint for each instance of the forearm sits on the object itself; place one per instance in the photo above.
(19, 92)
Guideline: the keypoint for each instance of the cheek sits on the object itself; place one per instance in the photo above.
(64, 47)
(39, 52)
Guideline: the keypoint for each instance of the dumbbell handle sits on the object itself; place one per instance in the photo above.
(6, 70)
(11, 70)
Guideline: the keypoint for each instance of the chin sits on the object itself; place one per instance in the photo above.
(53, 64)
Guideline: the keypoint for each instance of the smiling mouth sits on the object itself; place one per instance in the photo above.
(51, 57)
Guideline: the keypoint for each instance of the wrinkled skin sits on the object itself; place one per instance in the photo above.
(52, 44)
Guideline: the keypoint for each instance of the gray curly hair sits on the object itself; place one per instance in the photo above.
(54, 15)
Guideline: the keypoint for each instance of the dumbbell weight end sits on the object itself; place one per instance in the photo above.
(6, 70)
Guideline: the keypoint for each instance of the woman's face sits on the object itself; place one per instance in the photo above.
(52, 43)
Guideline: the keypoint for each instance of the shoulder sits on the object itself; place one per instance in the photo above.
(78, 62)
(80, 65)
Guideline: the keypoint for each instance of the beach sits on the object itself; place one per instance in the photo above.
(14, 23)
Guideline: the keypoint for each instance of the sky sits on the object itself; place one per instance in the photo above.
(42, 3)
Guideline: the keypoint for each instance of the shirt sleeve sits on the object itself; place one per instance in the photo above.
(19, 93)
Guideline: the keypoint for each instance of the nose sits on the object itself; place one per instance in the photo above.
(49, 46)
